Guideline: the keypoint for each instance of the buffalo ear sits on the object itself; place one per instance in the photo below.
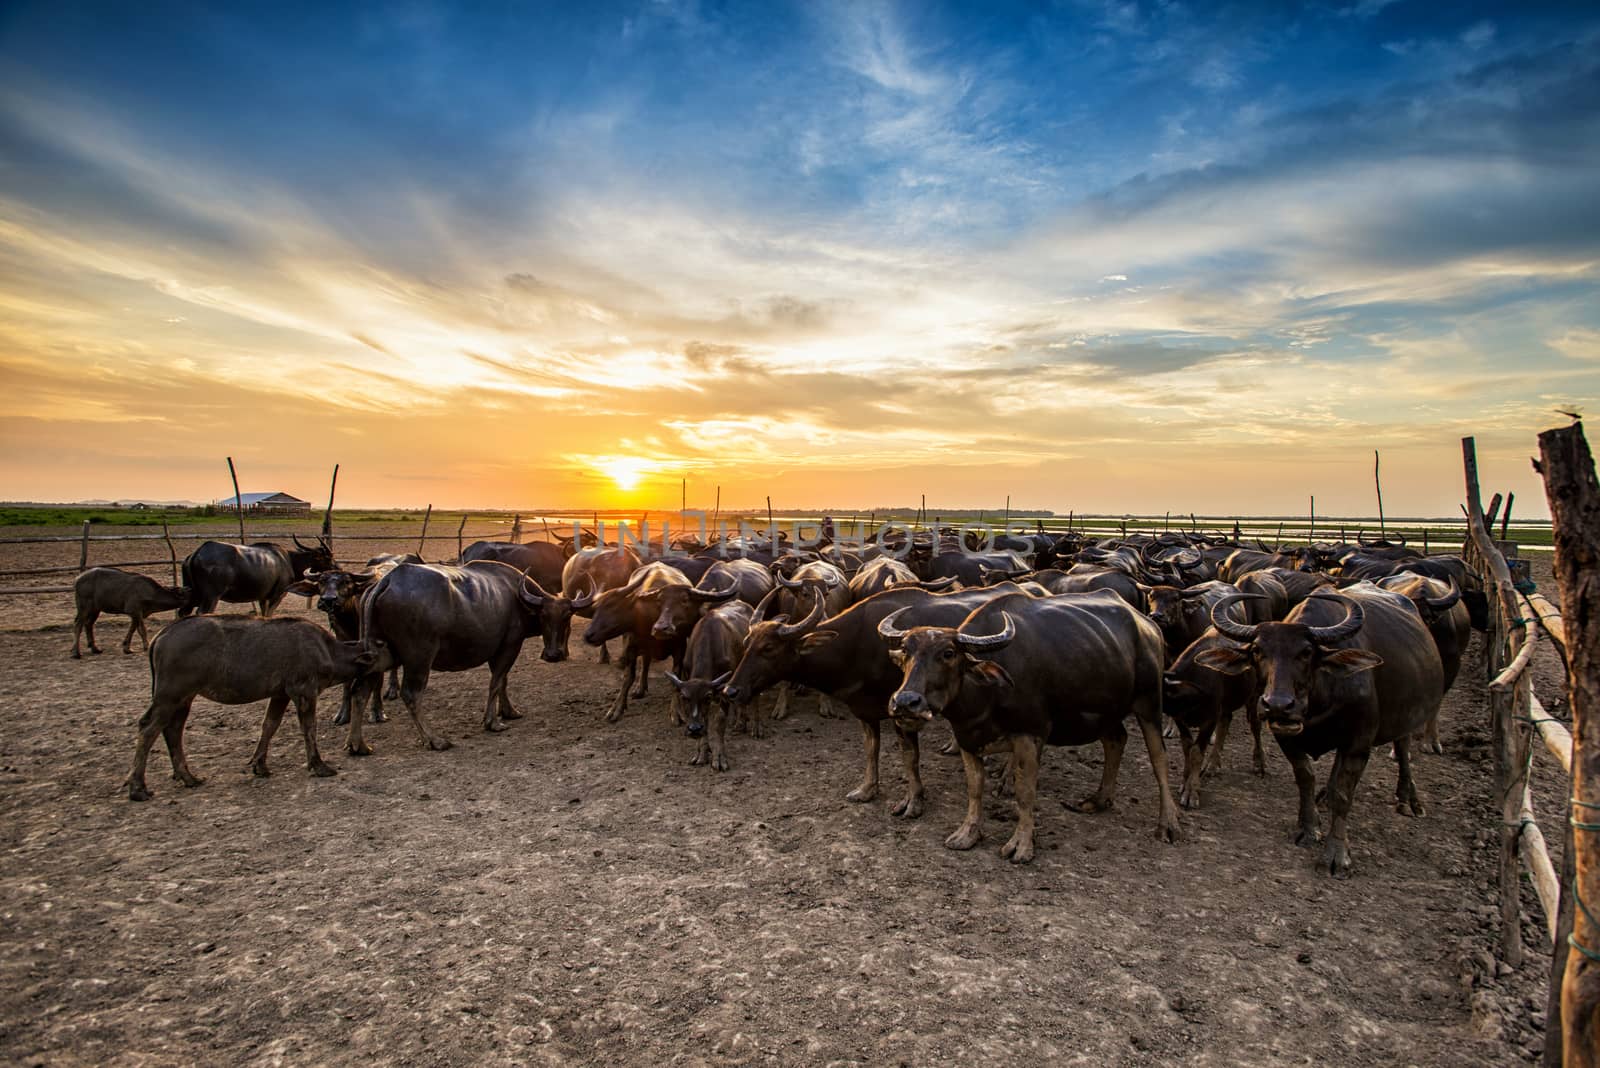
(816, 639)
(304, 588)
(1224, 660)
(988, 673)
(366, 661)
(1351, 661)
(1175, 687)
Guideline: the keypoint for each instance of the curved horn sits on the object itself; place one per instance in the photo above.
(937, 584)
(298, 544)
(1351, 623)
(528, 580)
(727, 593)
(762, 606)
(787, 583)
(886, 628)
(1447, 602)
(990, 641)
(813, 617)
(586, 599)
(1239, 632)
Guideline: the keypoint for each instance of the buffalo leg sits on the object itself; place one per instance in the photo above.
(605, 653)
(355, 744)
(341, 717)
(135, 624)
(1341, 792)
(780, 711)
(1025, 763)
(1213, 762)
(630, 659)
(173, 735)
(750, 712)
(1258, 755)
(1194, 754)
(1167, 822)
(152, 725)
(411, 691)
(1308, 832)
(269, 726)
(82, 620)
(88, 630)
(1115, 740)
(717, 735)
(393, 691)
(1428, 737)
(911, 761)
(871, 738)
(966, 836)
(1406, 801)
(306, 709)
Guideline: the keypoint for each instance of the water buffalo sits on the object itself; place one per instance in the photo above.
(1089, 578)
(632, 611)
(338, 594)
(436, 617)
(878, 575)
(1184, 614)
(121, 593)
(1344, 672)
(1000, 676)
(840, 657)
(680, 607)
(1443, 609)
(237, 661)
(1201, 703)
(712, 653)
(541, 561)
(239, 574)
(591, 572)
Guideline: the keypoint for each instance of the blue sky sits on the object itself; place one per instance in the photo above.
(1111, 256)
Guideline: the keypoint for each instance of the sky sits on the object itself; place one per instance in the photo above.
(1103, 256)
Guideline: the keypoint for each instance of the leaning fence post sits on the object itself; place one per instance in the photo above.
(423, 541)
(516, 529)
(83, 557)
(171, 550)
(459, 529)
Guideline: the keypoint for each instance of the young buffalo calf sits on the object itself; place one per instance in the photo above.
(105, 589)
(234, 661)
(713, 652)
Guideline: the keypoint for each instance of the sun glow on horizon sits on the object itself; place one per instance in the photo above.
(624, 471)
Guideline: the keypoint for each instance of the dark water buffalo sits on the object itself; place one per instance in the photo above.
(1343, 673)
(723, 581)
(237, 661)
(1297, 584)
(971, 569)
(1090, 578)
(1184, 614)
(1201, 703)
(1444, 612)
(631, 611)
(841, 657)
(542, 561)
(436, 617)
(713, 652)
(1269, 597)
(878, 575)
(1241, 562)
(1000, 676)
(591, 572)
(239, 574)
(119, 593)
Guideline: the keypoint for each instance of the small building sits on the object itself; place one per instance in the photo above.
(266, 504)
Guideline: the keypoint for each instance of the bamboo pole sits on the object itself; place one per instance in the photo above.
(1505, 517)
(83, 556)
(17, 590)
(1555, 736)
(516, 529)
(459, 531)
(1536, 856)
(327, 517)
(238, 499)
(1574, 495)
(1313, 518)
(172, 550)
(716, 513)
(1382, 531)
(425, 517)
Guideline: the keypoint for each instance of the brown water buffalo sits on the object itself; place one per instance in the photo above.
(239, 574)
(682, 606)
(1000, 676)
(631, 611)
(1343, 673)
(236, 661)
(1201, 703)
(713, 651)
(121, 593)
(591, 572)
(878, 575)
(1444, 612)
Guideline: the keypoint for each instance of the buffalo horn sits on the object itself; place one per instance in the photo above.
(990, 641)
(886, 628)
(1239, 632)
(586, 599)
(787, 583)
(1344, 628)
(761, 608)
(1447, 602)
(813, 617)
(938, 584)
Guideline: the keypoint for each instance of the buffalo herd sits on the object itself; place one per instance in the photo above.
(1016, 643)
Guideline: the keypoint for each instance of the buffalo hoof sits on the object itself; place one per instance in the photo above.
(1411, 808)
(341, 717)
(699, 759)
(95, 651)
(614, 715)
(1092, 804)
(1189, 799)
(392, 694)
(363, 749)
(950, 748)
(139, 792)
(259, 769)
(963, 838)
(76, 655)
(863, 793)
(1168, 830)
(510, 713)
(188, 779)
(378, 716)
(324, 771)
(127, 651)
(439, 745)
(1018, 850)
(719, 762)
(910, 808)
(494, 726)
(1336, 859)
(1307, 837)
(1433, 747)
(1260, 767)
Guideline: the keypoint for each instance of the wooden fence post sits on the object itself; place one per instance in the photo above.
(516, 529)
(1569, 479)
(462, 527)
(83, 557)
(423, 541)
(238, 499)
(171, 549)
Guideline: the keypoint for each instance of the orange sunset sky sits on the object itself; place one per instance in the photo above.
(839, 254)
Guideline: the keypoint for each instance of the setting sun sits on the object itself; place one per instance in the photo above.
(625, 471)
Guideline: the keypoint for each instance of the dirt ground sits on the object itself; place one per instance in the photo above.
(569, 892)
